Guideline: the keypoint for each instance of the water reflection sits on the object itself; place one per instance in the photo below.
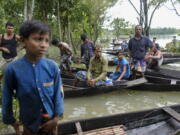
(117, 102)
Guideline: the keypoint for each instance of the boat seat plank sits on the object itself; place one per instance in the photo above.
(172, 113)
(78, 128)
(114, 130)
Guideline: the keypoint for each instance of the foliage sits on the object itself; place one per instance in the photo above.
(159, 31)
(171, 47)
(120, 27)
(76, 16)
(146, 11)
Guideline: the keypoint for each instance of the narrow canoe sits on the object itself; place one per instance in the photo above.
(83, 90)
(154, 84)
(156, 121)
(165, 61)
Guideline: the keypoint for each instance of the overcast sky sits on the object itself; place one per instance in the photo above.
(163, 17)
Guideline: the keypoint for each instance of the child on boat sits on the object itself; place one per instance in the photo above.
(122, 70)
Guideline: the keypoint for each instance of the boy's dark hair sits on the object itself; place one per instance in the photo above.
(120, 52)
(54, 42)
(9, 24)
(83, 37)
(33, 26)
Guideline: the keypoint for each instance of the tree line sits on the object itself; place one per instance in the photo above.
(70, 18)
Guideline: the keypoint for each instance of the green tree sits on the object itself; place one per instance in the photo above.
(175, 5)
(145, 17)
(119, 26)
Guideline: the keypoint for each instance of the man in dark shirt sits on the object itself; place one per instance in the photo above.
(138, 46)
(8, 43)
(87, 50)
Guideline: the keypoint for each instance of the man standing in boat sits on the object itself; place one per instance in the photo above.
(87, 49)
(66, 54)
(138, 46)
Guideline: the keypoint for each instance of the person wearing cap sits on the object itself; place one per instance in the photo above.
(66, 54)
(122, 69)
(87, 49)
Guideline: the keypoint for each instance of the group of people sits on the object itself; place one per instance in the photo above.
(140, 57)
(36, 82)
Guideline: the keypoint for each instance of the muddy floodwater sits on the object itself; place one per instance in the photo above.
(117, 102)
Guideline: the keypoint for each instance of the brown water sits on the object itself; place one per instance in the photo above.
(117, 102)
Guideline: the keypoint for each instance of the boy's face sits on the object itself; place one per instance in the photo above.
(120, 56)
(36, 45)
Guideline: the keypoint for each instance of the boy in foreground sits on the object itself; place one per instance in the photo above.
(36, 83)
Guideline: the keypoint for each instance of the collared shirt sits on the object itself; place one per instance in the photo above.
(87, 50)
(138, 48)
(98, 68)
(37, 86)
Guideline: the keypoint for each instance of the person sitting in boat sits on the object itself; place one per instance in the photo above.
(155, 58)
(96, 74)
(123, 68)
(66, 54)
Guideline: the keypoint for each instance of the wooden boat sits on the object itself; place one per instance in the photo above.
(156, 121)
(159, 84)
(164, 72)
(171, 55)
(165, 61)
(153, 84)
(83, 90)
(165, 54)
